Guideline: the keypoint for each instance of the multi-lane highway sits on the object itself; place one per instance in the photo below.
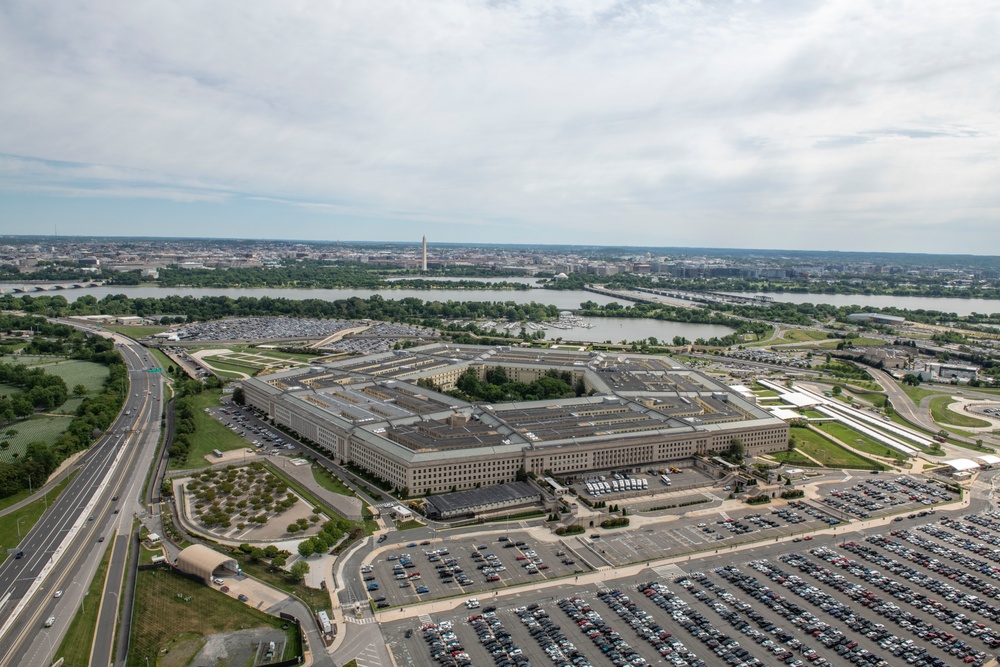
(64, 548)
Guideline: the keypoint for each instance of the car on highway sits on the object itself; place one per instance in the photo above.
(58, 594)
(20, 554)
(100, 539)
(49, 621)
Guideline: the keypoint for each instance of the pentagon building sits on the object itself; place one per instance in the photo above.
(638, 411)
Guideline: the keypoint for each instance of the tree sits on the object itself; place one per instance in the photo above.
(79, 390)
(299, 569)
(239, 398)
(736, 449)
(837, 391)
(279, 560)
(521, 475)
(911, 379)
(257, 554)
(306, 548)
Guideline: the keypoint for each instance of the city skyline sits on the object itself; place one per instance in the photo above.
(820, 126)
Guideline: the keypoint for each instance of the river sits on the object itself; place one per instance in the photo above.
(944, 304)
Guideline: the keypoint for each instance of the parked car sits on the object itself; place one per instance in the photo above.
(242, 598)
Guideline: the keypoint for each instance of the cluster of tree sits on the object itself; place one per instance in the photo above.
(843, 369)
(39, 390)
(615, 522)
(411, 310)
(329, 534)
(313, 274)
(184, 429)
(496, 387)
(574, 529)
(792, 493)
(860, 284)
(94, 415)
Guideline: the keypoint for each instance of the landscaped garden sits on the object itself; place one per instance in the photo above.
(248, 498)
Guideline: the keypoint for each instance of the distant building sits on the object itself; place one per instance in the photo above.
(876, 318)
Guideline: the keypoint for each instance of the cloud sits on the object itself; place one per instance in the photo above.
(606, 120)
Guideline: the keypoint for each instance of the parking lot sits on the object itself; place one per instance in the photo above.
(818, 604)
(264, 439)
(707, 530)
(616, 487)
(880, 495)
(428, 570)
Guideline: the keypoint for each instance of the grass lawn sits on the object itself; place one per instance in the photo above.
(136, 331)
(230, 369)
(330, 482)
(176, 613)
(859, 441)
(766, 393)
(161, 358)
(410, 525)
(79, 639)
(304, 358)
(828, 452)
(793, 458)
(812, 413)
(14, 526)
(91, 375)
(802, 335)
(943, 415)
(916, 394)
(209, 433)
(44, 428)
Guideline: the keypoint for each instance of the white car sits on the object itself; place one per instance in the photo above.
(49, 621)
(58, 594)
(218, 582)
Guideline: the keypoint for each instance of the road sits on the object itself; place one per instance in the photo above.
(64, 548)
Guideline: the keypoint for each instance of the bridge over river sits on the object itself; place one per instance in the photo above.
(51, 287)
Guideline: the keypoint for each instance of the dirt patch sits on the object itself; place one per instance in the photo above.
(244, 647)
(180, 650)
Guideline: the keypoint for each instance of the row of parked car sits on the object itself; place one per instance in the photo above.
(804, 621)
(943, 590)
(724, 646)
(604, 637)
(550, 637)
(444, 646)
(497, 641)
(885, 608)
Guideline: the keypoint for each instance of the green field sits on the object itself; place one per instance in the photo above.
(162, 359)
(44, 428)
(829, 453)
(794, 458)
(801, 335)
(79, 640)
(175, 614)
(917, 394)
(330, 482)
(859, 441)
(136, 331)
(943, 415)
(14, 526)
(209, 433)
(812, 413)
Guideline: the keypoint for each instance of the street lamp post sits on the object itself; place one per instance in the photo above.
(19, 519)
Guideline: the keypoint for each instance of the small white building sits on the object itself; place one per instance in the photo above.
(962, 466)
(400, 513)
(988, 461)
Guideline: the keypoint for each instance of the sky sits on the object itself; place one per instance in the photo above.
(798, 124)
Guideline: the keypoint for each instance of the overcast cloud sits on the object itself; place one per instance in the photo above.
(841, 124)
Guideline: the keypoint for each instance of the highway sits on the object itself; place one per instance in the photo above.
(64, 548)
